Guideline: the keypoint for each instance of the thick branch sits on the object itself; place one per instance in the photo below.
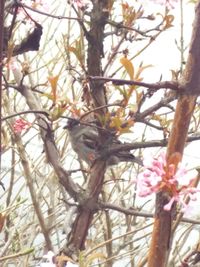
(138, 145)
(95, 37)
(47, 136)
(173, 85)
(191, 78)
(161, 236)
(1, 58)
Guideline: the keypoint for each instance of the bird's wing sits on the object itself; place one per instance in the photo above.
(90, 139)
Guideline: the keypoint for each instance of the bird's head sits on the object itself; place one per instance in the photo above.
(71, 123)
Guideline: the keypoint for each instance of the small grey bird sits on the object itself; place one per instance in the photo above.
(85, 142)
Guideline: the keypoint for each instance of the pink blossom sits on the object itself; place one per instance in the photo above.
(150, 179)
(160, 176)
(180, 196)
(80, 3)
(148, 183)
(20, 125)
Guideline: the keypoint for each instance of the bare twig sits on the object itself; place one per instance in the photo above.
(1, 57)
(130, 211)
(173, 85)
(44, 13)
(25, 112)
(17, 255)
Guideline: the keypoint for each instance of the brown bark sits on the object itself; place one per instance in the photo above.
(87, 208)
(160, 244)
(50, 148)
(1, 58)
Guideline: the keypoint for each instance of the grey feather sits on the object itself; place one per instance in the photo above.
(85, 142)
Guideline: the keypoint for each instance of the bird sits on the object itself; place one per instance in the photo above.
(84, 138)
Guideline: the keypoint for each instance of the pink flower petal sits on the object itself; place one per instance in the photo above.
(20, 125)
(157, 176)
(168, 206)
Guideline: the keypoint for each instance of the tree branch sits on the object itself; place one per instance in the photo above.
(29, 180)
(25, 112)
(17, 255)
(162, 231)
(51, 150)
(44, 13)
(146, 144)
(130, 211)
(2, 2)
(173, 85)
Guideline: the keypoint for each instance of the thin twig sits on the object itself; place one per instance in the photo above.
(44, 13)
(25, 112)
(19, 254)
(130, 211)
